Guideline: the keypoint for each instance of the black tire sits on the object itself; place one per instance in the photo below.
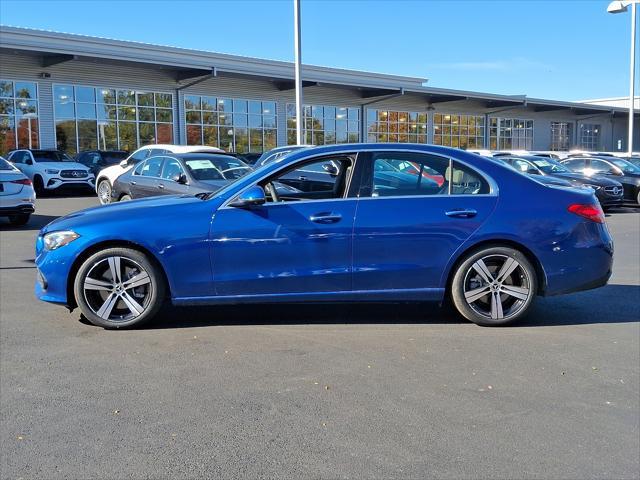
(112, 299)
(125, 198)
(104, 191)
(38, 185)
(507, 299)
(19, 220)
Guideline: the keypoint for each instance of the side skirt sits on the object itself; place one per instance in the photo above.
(414, 294)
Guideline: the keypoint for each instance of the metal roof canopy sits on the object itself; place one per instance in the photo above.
(186, 64)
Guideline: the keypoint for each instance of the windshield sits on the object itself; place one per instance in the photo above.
(4, 165)
(42, 156)
(549, 165)
(213, 167)
(625, 166)
(114, 157)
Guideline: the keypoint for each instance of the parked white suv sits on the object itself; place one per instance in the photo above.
(51, 169)
(17, 198)
(106, 177)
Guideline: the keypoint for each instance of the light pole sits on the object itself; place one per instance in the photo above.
(619, 6)
(298, 58)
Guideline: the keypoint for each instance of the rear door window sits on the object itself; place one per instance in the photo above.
(152, 167)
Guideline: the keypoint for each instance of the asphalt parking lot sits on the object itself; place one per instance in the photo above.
(391, 391)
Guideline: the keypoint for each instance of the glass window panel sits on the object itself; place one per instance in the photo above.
(127, 136)
(225, 105)
(255, 107)
(225, 118)
(242, 140)
(194, 117)
(194, 135)
(7, 134)
(226, 138)
(239, 106)
(192, 102)
(146, 114)
(106, 95)
(164, 115)
(6, 107)
(87, 135)
(126, 113)
(255, 121)
(147, 133)
(164, 100)
(269, 108)
(208, 118)
(64, 110)
(106, 112)
(85, 94)
(66, 136)
(6, 88)
(145, 99)
(270, 139)
(27, 132)
(107, 136)
(210, 136)
(63, 93)
(26, 90)
(87, 110)
(126, 97)
(240, 119)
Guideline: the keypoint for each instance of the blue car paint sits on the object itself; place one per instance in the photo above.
(382, 249)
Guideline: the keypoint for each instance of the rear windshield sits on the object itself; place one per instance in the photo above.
(41, 156)
(549, 165)
(4, 165)
(217, 167)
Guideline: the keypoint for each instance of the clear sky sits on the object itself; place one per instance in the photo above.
(567, 50)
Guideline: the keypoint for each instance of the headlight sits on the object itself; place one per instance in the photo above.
(55, 240)
(51, 171)
(595, 187)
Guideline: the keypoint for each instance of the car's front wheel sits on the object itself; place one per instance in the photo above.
(104, 192)
(119, 287)
(20, 219)
(494, 286)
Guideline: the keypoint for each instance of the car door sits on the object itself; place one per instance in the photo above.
(299, 242)
(405, 231)
(171, 168)
(577, 165)
(145, 184)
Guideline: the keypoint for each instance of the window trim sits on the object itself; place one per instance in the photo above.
(493, 186)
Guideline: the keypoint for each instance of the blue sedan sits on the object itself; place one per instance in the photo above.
(487, 238)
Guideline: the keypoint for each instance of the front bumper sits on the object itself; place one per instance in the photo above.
(58, 183)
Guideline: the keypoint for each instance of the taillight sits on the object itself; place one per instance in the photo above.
(22, 181)
(590, 212)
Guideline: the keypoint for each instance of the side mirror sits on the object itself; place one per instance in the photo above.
(251, 197)
(180, 178)
(124, 164)
(331, 169)
(28, 161)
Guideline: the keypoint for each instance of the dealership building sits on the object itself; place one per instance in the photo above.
(77, 92)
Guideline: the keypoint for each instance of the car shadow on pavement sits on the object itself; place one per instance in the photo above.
(36, 222)
(610, 304)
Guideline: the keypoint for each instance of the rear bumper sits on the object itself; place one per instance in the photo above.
(22, 209)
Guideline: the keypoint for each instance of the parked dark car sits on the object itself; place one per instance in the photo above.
(186, 173)
(96, 160)
(608, 191)
(617, 168)
(248, 158)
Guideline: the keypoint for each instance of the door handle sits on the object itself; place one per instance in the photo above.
(161, 186)
(134, 183)
(461, 213)
(302, 178)
(325, 218)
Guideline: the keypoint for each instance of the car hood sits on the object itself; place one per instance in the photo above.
(600, 181)
(131, 210)
(64, 165)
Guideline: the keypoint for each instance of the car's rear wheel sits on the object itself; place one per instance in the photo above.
(118, 288)
(494, 286)
(20, 219)
(104, 192)
(125, 198)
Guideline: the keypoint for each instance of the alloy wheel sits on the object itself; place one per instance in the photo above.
(497, 287)
(104, 192)
(117, 289)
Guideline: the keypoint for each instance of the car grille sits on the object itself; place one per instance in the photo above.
(613, 191)
(73, 174)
